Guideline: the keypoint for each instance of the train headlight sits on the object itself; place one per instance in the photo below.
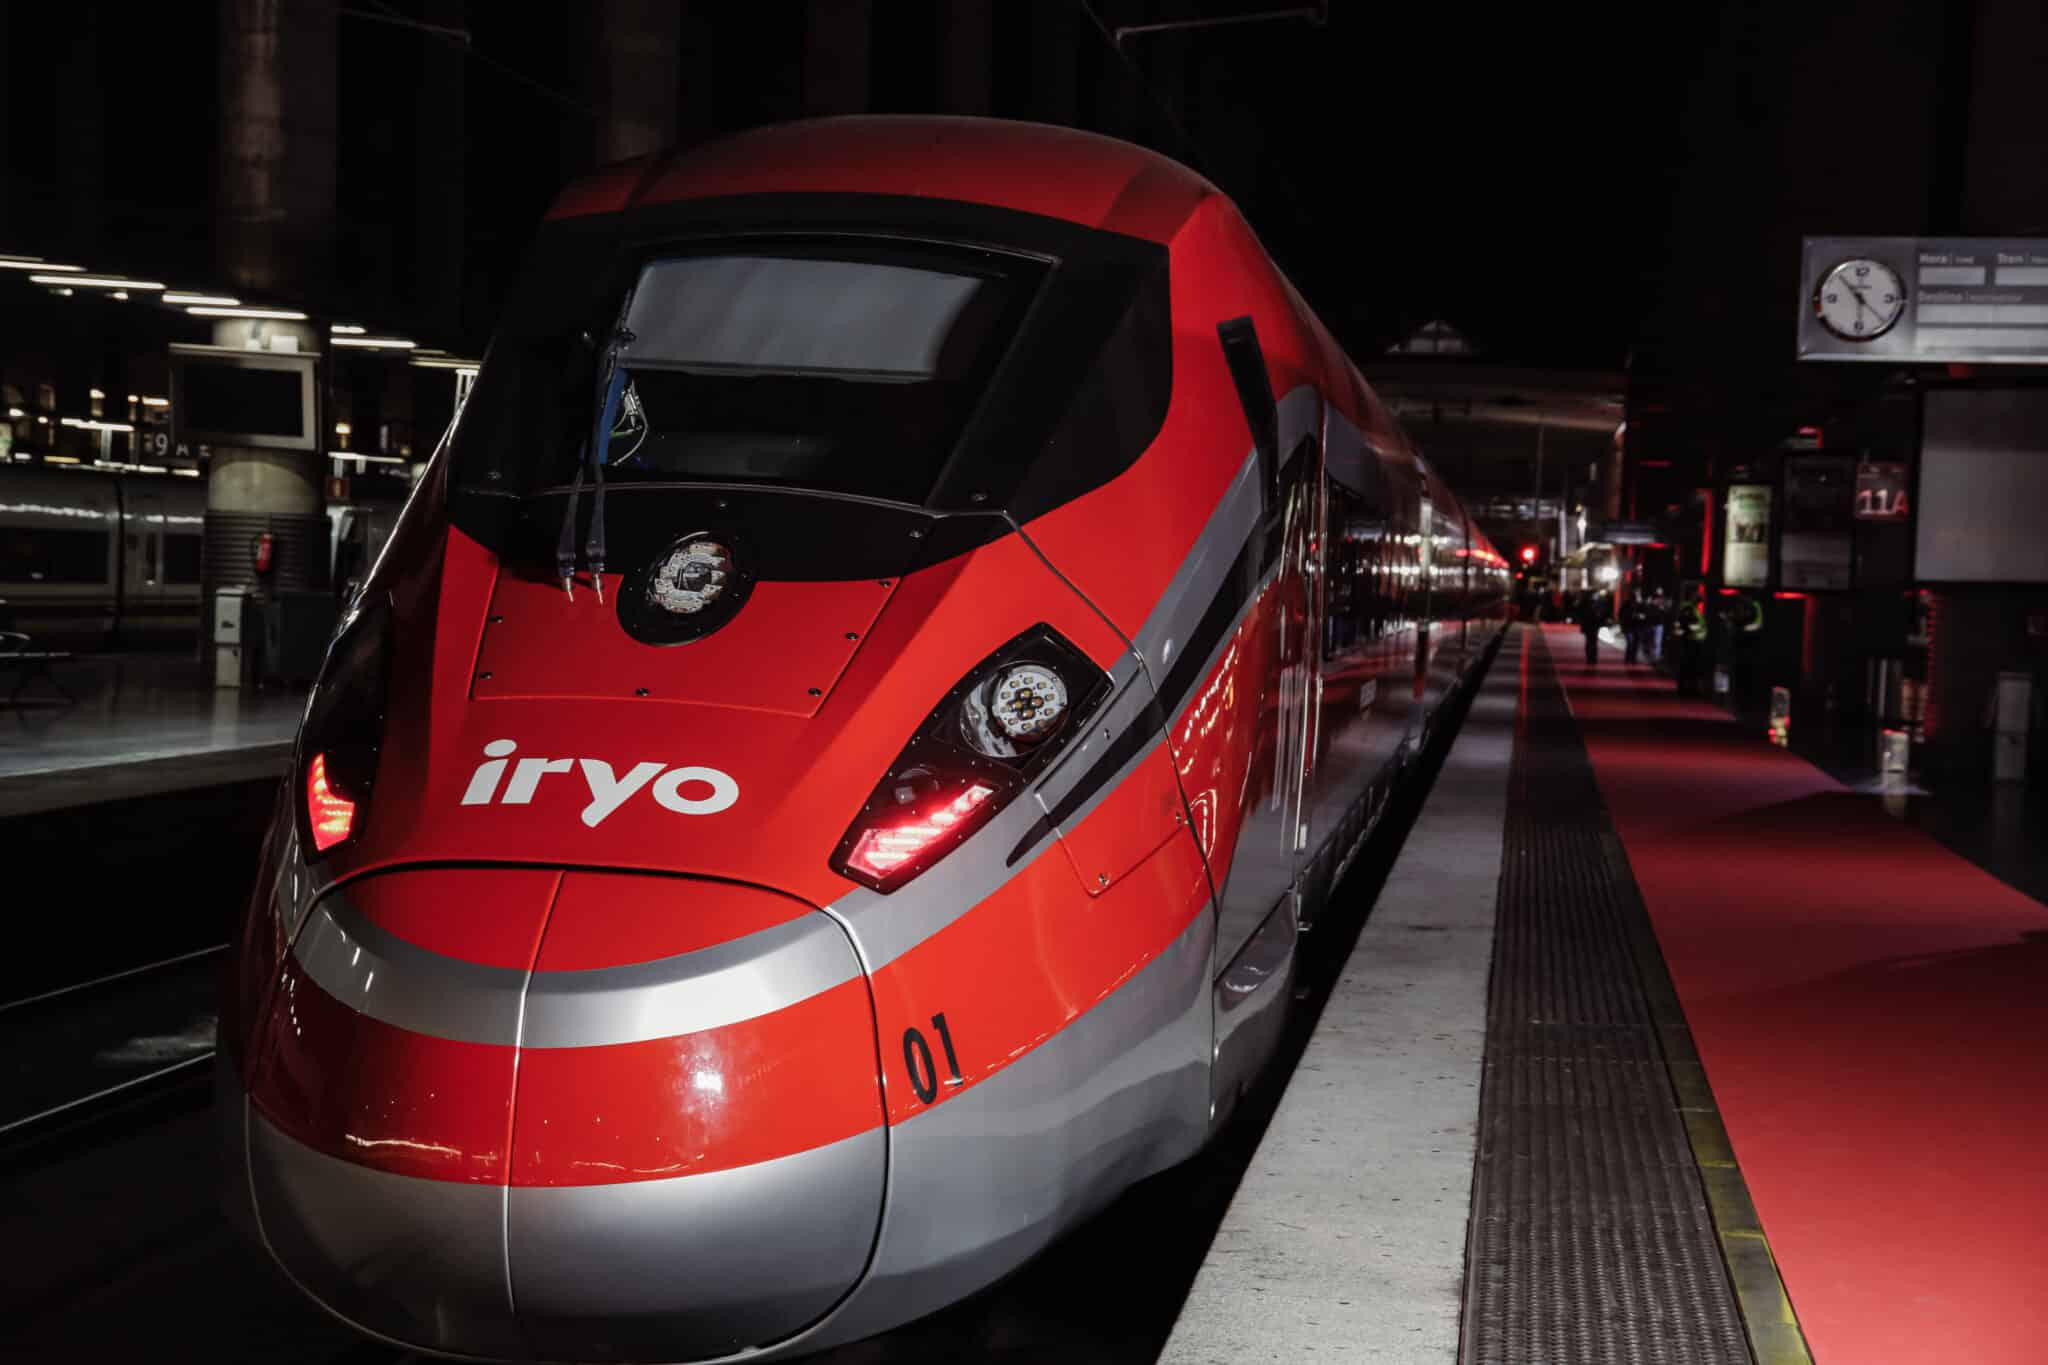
(1017, 708)
(343, 731)
(979, 747)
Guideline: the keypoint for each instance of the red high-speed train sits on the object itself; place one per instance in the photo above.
(823, 787)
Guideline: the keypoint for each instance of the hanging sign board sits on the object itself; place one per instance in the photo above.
(1746, 550)
(1881, 491)
(1924, 300)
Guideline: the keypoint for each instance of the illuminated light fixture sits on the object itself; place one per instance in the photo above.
(59, 459)
(97, 281)
(37, 263)
(882, 849)
(276, 314)
(377, 343)
(151, 469)
(120, 294)
(342, 428)
(15, 413)
(98, 393)
(23, 455)
(358, 455)
(328, 812)
(63, 293)
(186, 473)
(150, 400)
(206, 300)
(347, 329)
(437, 363)
(87, 424)
(135, 398)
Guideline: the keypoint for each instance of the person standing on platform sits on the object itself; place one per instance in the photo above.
(1655, 617)
(1631, 628)
(1592, 615)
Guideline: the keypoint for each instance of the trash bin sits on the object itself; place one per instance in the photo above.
(236, 636)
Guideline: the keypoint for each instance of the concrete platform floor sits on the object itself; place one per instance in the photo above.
(1346, 1238)
(143, 723)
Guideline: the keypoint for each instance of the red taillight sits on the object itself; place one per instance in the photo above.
(327, 813)
(343, 732)
(894, 846)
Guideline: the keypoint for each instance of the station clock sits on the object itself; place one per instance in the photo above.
(1860, 299)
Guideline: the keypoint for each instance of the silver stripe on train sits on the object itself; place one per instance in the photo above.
(379, 974)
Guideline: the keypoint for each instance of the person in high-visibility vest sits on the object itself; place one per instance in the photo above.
(1692, 646)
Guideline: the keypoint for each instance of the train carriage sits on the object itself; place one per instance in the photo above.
(823, 787)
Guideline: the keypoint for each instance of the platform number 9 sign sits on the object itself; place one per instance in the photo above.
(917, 1060)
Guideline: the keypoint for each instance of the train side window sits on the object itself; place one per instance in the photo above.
(39, 554)
(181, 559)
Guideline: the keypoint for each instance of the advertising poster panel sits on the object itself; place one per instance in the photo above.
(1746, 552)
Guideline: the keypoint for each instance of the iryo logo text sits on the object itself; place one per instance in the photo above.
(607, 791)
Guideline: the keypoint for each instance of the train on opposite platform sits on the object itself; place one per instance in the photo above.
(88, 557)
(824, 787)
(93, 558)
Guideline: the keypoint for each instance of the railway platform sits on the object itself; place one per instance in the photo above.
(1640, 1039)
(138, 725)
(1660, 1043)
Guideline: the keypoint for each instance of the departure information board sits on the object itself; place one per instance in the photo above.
(1924, 300)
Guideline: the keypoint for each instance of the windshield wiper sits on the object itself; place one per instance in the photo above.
(612, 383)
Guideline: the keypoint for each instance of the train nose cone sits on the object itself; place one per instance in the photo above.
(582, 1116)
(380, 1101)
(698, 1151)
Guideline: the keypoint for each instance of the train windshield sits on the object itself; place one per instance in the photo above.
(832, 368)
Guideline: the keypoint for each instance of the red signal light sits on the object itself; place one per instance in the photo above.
(328, 812)
(1528, 554)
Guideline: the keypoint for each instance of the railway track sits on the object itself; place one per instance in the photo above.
(105, 1048)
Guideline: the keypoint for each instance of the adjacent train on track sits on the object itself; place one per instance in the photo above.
(824, 786)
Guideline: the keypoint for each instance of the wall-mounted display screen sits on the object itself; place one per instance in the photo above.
(222, 396)
(1983, 457)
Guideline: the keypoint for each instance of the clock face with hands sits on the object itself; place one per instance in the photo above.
(1860, 299)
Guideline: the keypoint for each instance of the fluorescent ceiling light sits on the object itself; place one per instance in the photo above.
(151, 469)
(186, 473)
(358, 455)
(377, 343)
(347, 329)
(97, 281)
(451, 363)
(13, 413)
(36, 263)
(59, 459)
(87, 424)
(280, 314)
(210, 300)
(152, 401)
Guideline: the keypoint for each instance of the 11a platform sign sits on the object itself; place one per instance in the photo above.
(1881, 491)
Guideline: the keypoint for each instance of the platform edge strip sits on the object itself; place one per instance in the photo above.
(1768, 1318)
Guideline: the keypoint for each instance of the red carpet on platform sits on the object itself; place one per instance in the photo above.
(1872, 1010)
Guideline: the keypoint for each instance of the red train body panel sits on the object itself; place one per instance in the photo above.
(1015, 609)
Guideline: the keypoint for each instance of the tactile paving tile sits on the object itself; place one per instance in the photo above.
(1590, 1239)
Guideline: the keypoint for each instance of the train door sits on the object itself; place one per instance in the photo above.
(1273, 829)
(1358, 713)
(141, 599)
